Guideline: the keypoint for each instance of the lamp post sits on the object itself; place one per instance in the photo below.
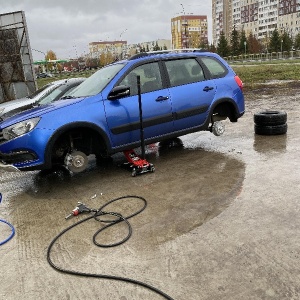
(77, 59)
(281, 46)
(122, 33)
(121, 42)
(185, 24)
(43, 65)
(245, 44)
(40, 52)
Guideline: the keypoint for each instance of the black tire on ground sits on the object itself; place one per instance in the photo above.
(270, 118)
(270, 130)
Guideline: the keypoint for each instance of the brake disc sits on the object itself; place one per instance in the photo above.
(218, 128)
(76, 161)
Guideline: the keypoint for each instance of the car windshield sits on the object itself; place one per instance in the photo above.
(33, 95)
(50, 94)
(97, 82)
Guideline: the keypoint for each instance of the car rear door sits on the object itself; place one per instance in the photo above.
(123, 114)
(190, 92)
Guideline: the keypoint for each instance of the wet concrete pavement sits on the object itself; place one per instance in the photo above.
(222, 220)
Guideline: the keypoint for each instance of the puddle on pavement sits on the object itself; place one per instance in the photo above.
(188, 188)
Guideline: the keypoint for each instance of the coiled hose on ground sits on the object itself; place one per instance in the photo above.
(96, 216)
(10, 225)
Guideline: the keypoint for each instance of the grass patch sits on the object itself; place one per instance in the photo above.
(42, 81)
(262, 73)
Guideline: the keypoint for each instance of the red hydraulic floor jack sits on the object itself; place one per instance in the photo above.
(138, 165)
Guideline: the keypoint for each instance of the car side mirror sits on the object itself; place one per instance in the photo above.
(119, 92)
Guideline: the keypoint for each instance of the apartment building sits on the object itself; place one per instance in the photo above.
(189, 31)
(222, 18)
(115, 48)
(120, 49)
(260, 17)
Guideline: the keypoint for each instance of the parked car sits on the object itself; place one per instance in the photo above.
(43, 75)
(48, 93)
(181, 92)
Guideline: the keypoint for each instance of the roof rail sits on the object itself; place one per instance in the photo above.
(178, 50)
(144, 54)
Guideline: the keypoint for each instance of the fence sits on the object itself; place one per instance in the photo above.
(264, 56)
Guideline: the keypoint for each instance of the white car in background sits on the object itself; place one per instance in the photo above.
(46, 94)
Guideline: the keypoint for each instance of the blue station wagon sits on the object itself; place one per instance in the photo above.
(181, 92)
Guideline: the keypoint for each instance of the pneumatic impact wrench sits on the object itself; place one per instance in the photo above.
(80, 208)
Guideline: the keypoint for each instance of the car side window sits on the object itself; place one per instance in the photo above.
(184, 71)
(215, 67)
(149, 75)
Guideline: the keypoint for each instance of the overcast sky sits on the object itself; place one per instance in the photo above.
(68, 26)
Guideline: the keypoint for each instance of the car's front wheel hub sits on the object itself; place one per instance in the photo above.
(76, 161)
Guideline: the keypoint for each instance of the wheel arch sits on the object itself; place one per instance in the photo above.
(225, 107)
(93, 129)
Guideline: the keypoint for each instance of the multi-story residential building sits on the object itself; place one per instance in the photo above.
(120, 49)
(189, 31)
(260, 17)
(289, 16)
(115, 48)
(221, 18)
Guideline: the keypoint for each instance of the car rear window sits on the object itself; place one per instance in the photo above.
(215, 67)
(184, 71)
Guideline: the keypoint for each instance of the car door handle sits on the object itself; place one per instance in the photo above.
(161, 98)
(208, 88)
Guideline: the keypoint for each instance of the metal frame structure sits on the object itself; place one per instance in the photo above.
(17, 77)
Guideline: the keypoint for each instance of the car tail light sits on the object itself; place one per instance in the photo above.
(239, 82)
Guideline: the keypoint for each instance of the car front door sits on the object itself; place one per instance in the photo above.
(123, 116)
(191, 94)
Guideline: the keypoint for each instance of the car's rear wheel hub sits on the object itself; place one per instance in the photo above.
(218, 128)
